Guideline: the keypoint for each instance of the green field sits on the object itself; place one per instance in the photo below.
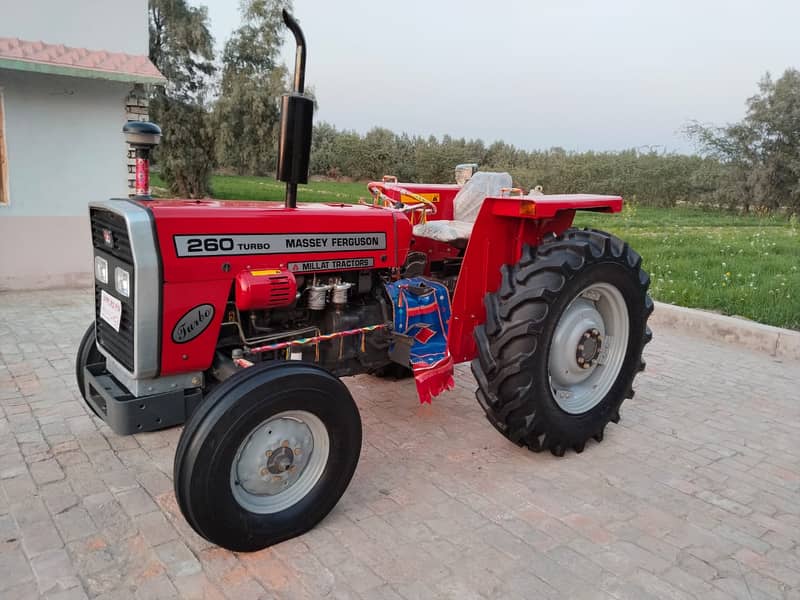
(232, 187)
(737, 265)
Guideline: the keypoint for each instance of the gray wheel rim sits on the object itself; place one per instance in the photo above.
(280, 462)
(596, 318)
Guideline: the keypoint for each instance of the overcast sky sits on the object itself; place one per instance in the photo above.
(581, 74)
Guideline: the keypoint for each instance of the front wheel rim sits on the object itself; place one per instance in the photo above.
(279, 462)
(588, 348)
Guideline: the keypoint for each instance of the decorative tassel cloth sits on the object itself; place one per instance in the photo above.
(422, 312)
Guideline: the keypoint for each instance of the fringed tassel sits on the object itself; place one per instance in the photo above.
(433, 380)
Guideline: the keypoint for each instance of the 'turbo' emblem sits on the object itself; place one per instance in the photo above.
(193, 323)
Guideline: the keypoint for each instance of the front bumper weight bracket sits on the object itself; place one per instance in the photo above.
(126, 414)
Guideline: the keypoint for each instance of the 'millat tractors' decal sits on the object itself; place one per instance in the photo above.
(334, 264)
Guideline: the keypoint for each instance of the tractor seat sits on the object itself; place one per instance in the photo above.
(466, 206)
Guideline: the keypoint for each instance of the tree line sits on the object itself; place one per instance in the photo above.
(659, 179)
(224, 115)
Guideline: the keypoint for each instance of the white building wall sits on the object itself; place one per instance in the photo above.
(113, 25)
(64, 142)
(65, 148)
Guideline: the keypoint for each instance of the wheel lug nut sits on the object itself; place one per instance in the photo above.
(264, 472)
(285, 443)
(268, 453)
(298, 450)
(595, 332)
(580, 347)
(581, 360)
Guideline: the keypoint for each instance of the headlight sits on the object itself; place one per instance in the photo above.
(101, 269)
(122, 281)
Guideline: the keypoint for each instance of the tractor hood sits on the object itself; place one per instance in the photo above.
(208, 239)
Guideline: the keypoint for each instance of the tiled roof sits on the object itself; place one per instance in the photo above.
(80, 62)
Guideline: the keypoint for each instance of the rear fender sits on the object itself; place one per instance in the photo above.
(503, 226)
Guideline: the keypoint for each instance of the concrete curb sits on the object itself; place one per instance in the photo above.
(781, 343)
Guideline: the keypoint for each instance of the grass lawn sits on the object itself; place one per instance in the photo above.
(737, 265)
(233, 187)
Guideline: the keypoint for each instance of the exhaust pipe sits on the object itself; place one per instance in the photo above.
(297, 112)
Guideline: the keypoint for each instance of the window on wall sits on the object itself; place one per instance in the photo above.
(3, 156)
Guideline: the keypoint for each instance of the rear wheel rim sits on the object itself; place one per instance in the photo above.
(588, 348)
(279, 462)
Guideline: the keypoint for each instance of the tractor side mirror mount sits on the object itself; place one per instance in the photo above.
(297, 112)
(142, 137)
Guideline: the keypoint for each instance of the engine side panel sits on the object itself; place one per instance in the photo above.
(191, 317)
(204, 245)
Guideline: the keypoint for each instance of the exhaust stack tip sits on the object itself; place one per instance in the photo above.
(142, 137)
(297, 109)
(142, 134)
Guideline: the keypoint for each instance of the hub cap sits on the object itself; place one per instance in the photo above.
(588, 348)
(279, 462)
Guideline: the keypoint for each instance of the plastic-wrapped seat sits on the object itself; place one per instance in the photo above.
(466, 206)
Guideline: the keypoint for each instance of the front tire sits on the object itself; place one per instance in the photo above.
(563, 341)
(267, 455)
(88, 354)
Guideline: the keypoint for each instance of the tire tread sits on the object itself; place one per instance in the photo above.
(506, 343)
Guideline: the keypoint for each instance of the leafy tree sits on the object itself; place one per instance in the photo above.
(323, 150)
(182, 49)
(248, 111)
(761, 153)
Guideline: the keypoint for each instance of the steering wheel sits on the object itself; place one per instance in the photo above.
(423, 204)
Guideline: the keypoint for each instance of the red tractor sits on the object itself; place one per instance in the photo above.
(239, 318)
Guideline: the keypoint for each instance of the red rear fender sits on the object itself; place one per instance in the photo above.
(503, 226)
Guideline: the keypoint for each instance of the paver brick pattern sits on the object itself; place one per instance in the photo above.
(695, 494)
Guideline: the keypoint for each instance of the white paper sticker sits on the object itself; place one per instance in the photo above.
(110, 309)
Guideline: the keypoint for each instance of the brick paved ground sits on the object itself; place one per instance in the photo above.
(695, 493)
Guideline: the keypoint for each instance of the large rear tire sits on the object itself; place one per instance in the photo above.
(88, 354)
(563, 341)
(267, 455)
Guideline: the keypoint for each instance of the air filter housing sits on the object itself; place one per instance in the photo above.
(266, 288)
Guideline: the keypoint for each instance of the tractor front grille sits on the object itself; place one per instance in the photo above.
(118, 343)
(116, 250)
(119, 245)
